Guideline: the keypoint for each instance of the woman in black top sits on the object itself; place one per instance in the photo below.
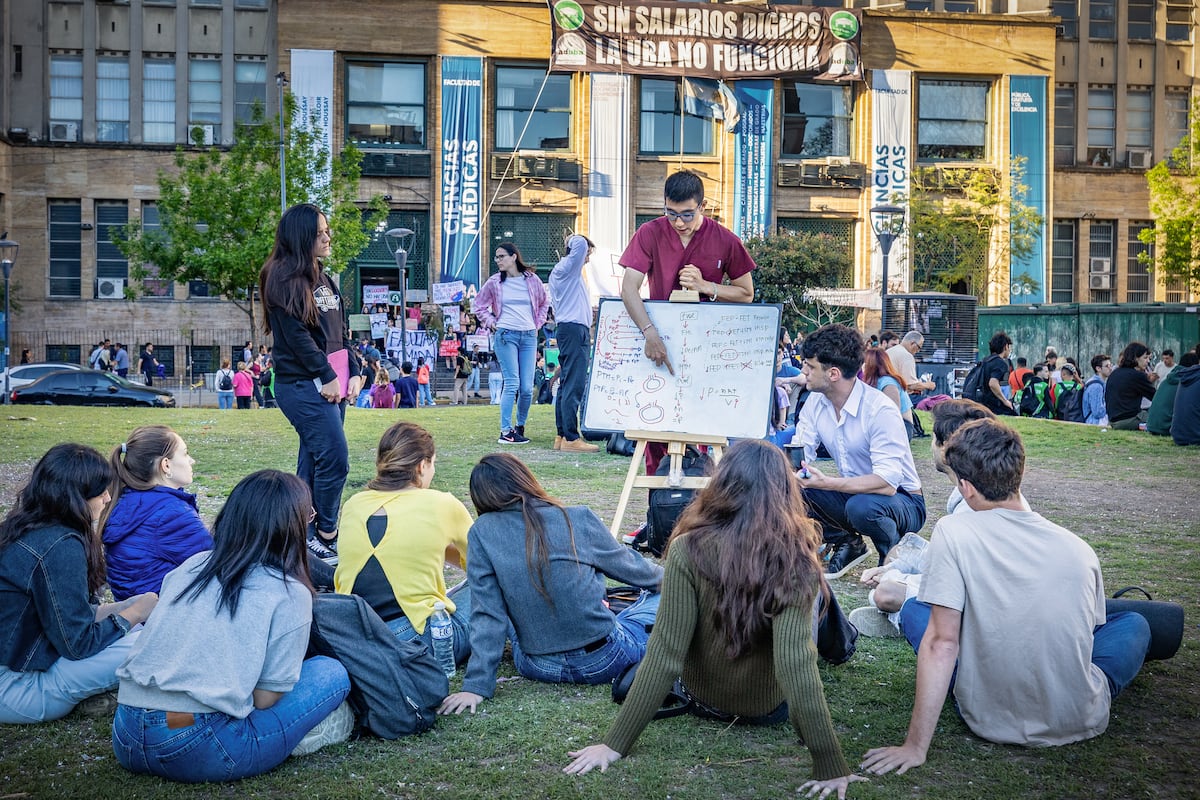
(1126, 387)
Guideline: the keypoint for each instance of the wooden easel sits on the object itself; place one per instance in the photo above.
(676, 447)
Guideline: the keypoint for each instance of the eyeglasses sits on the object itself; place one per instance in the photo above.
(497, 258)
(312, 516)
(686, 216)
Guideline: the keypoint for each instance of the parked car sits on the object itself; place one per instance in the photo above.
(25, 374)
(89, 387)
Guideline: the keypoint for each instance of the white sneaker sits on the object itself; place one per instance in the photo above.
(870, 621)
(335, 728)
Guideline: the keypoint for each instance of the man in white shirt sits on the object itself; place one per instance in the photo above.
(1167, 363)
(903, 358)
(878, 492)
(1018, 626)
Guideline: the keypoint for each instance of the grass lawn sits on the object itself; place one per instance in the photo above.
(1133, 497)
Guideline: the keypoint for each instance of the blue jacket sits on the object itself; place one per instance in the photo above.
(148, 534)
(45, 612)
(1093, 401)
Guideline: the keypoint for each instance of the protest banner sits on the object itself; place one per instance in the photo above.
(449, 292)
(374, 295)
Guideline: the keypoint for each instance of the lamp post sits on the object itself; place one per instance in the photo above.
(888, 223)
(8, 254)
(398, 243)
(282, 81)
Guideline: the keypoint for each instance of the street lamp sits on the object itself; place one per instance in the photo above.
(398, 243)
(8, 254)
(888, 223)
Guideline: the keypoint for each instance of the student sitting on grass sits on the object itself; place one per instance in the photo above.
(736, 619)
(547, 596)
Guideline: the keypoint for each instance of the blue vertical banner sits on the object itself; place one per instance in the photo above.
(1027, 120)
(752, 154)
(462, 172)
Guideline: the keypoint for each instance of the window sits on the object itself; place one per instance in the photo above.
(1177, 107)
(1067, 11)
(66, 89)
(1100, 245)
(1064, 126)
(377, 265)
(1141, 19)
(1176, 290)
(1179, 20)
(1102, 19)
(112, 99)
(68, 353)
(952, 120)
(385, 104)
(1137, 284)
(66, 248)
(249, 89)
(816, 120)
(659, 128)
(1102, 121)
(204, 99)
(158, 101)
(961, 6)
(547, 128)
(110, 262)
(1139, 114)
(152, 286)
(842, 231)
(918, 5)
(1062, 262)
(540, 237)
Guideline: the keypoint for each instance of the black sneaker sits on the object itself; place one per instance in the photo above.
(510, 436)
(846, 555)
(520, 429)
(324, 550)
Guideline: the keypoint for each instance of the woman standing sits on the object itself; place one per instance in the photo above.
(383, 394)
(217, 687)
(1128, 384)
(223, 381)
(243, 386)
(513, 303)
(56, 647)
(424, 376)
(304, 311)
(736, 620)
(551, 592)
(879, 372)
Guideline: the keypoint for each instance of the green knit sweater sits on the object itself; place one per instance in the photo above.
(685, 643)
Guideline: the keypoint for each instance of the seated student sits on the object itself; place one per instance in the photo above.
(1035, 397)
(57, 648)
(219, 674)
(1016, 378)
(1018, 623)
(398, 534)
(1185, 421)
(1094, 412)
(736, 619)
(1162, 408)
(152, 524)
(547, 597)
(879, 373)
(1066, 396)
(1127, 386)
(383, 394)
(406, 387)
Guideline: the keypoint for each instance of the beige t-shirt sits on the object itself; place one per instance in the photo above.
(1030, 593)
(904, 363)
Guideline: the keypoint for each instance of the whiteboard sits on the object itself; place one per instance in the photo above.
(724, 360)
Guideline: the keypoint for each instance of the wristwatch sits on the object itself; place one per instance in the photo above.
(123, 625)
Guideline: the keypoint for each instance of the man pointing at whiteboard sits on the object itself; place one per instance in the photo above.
(682, 249)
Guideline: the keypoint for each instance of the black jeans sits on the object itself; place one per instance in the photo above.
(573, 360)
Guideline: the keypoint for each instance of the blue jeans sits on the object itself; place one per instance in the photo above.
(324, 458)
(572, 381)
(473, 381)
(217, 747)
(460, 620)
(1118, 646)
(28, 697)
(625, 645)
(425, 394)
(516, 351)
(882, 518)
(224, 400)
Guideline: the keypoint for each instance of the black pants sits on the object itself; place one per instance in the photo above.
(572, 382)
(243, 402)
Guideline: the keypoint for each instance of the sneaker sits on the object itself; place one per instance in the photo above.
(870, 621)
(98, 705)
(633, 537)
(558, 440)
(520, 429)
(846, 555)
(323, 550)
(510, 436)
(578, 446)
(335, 728)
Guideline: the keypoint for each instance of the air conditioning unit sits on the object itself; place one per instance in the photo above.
(1137, 158)
(837, 161)
(208, 133)
(1098, 266)
(1103, 282)
(64, 131)
(110, 288)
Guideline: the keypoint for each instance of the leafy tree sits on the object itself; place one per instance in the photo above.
(791, 263)
(219, 209)
(1175, 204)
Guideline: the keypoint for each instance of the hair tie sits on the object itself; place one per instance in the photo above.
(122, 448)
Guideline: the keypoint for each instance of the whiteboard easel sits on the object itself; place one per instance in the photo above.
(675, 479)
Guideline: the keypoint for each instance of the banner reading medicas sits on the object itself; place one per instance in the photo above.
(891, 162)
(462, 209)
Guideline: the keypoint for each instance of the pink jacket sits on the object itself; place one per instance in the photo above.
(243, 384)
(487, 304)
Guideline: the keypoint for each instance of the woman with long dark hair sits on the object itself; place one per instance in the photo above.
(736, 620)
(513, 303)
(303, 309)
(550, 594)
(878, 372)
(1127, 386)
(217, 687)
(58, 648)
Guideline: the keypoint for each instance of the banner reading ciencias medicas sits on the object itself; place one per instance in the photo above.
(705, 39)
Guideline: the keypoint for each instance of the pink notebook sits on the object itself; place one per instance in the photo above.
(340, 361)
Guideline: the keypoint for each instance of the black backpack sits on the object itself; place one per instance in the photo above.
(667, 504)
(225, 382)
(1033, 406)
(972, 388)
(1068, 405)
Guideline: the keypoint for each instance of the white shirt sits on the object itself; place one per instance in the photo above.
(1163, 371)
(904, 364)
(870, 437)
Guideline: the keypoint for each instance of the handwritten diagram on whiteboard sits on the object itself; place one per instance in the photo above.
(724, 360)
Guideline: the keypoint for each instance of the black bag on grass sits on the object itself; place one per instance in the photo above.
(1166, 621)
(667, 504)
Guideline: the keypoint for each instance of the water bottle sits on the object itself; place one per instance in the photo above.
(906, 555)
(442, 632)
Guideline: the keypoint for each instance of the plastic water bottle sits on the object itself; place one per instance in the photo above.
(442, 632)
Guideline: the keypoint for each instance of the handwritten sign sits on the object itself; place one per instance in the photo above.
(420, 344)
(724, 360)
(374, 294)
(379, 325)
(448, 292)
(452, 315)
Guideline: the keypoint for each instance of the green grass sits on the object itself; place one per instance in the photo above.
(1132, 496)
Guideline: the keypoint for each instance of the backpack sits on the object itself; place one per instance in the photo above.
(667, 504)
(225, 381)
(1068, 406)
(973, 387)
(465, 368)
(1033, 402)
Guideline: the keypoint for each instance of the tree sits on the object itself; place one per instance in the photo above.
(1175, 205)
(218, 211)
(790, 263)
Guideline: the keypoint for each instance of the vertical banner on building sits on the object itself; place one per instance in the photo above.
(891, 160)
(608, 183)
(1027, 143)
(462, 196)
(312, 89)
(752, 153)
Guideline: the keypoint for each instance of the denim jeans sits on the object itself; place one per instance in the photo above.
(424, 394)
(882, 518)
(516, 351)
(473, 381)
(495, 386)
(324, 458)
(217, 747)
(27, 697)
(224, 400)
(572, 381)
(460, 620)
(625, 645)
